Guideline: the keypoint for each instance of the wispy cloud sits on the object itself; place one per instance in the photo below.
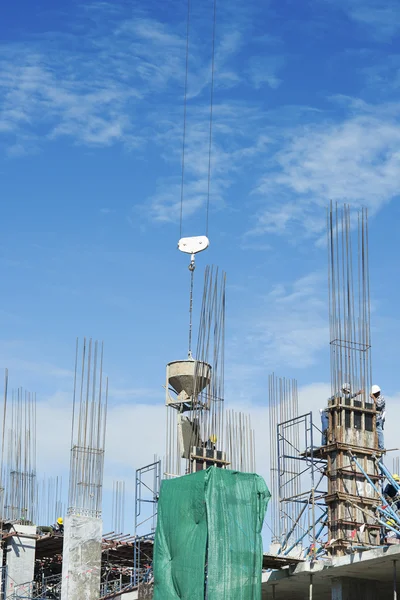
(383, 74)
(235, 143)
(91, 83)
(264, 71)
(296, 327)
(355, 160)
(380, 17)
(285, 329)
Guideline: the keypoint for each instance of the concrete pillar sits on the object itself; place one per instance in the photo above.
(81, 558)
(20, 559)
(347, 588)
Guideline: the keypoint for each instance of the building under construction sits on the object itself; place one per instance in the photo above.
(334, 529)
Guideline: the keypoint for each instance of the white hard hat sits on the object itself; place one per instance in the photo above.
(346, 387)
(375, 389)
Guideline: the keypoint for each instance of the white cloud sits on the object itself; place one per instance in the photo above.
(355, 161)
(135, 432)
(291, 326)
(264, 70)
(96, 93)
(235, 144)
(22, 369)
(380, 17)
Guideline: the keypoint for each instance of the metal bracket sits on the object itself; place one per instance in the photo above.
(193, 245)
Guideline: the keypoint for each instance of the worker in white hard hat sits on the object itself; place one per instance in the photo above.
(380, 405)
(345, 393)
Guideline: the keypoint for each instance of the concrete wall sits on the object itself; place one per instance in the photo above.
(20, 558)
(347, 588)
(81, 558)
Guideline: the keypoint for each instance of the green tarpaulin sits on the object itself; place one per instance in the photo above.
(208, 538)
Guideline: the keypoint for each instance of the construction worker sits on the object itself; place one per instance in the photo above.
(344, 393)
(390, 534)
(390, 491)
(212, 440)
(380, 405)
(59, 526)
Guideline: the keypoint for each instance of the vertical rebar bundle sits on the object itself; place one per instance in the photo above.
(240, 442)
(202, 411)
(208, 408)
(283, 405)
(20, 470)
(118, 507)
(3, 445)
(49, 500)
(349, 301)
(89, 418)
(350, 411)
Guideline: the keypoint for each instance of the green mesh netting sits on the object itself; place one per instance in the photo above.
(181, 539)
(210, 523)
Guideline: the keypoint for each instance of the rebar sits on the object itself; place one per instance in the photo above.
(88, 432)
(3, 441)
(283, 405)
(20, 468)
(206, 409)
(50, 500)
(240, 437)
(349, 301)
(118, 507)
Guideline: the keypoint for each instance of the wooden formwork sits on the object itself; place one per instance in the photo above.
(351, 498)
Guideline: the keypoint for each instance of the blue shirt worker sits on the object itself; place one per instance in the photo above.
(347, 395)
(380, 405)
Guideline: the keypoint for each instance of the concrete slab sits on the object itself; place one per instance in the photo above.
(371, 566)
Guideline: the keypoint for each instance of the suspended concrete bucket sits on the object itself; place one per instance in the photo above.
(187, 378)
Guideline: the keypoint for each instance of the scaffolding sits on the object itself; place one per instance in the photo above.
(147, 492)
(301, 488)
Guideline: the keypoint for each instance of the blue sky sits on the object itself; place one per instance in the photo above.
(306, 110)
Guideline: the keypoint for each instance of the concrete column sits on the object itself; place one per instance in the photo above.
(346, 588)
(20, 559)
(81, 558)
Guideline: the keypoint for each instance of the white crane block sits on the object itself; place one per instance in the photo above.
(193, 245)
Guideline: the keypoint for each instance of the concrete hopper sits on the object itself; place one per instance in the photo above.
(188, 377)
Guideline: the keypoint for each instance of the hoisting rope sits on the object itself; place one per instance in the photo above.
(191, 269)
(185, 115)
(211, 113)
(192, 265)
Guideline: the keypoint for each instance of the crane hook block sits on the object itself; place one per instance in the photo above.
(193, 245)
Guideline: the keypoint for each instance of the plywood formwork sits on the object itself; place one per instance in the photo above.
(351, 498)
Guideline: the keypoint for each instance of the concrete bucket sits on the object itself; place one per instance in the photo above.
(189, 376)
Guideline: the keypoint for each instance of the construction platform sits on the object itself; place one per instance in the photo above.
(368, 575)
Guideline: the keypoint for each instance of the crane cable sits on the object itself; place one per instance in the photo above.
(211, 115)
(184, 115)
(192, 263)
